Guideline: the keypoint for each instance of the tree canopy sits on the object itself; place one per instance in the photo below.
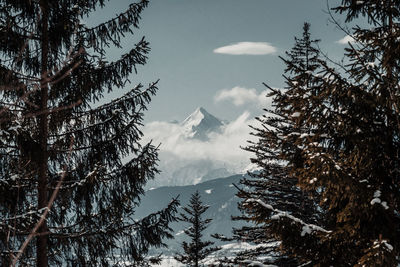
(195, 251)
(335, 130)
(66, 157)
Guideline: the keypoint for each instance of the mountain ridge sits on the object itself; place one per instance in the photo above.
(219, 194)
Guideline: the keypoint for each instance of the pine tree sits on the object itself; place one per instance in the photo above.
(349, 159)
(197, 250)
(274, 183)
(80, 168)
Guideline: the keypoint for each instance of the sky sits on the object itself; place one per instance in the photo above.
(211, 53)
(216, 54)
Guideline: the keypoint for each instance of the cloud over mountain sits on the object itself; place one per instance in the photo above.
(247, 48)
(240, 96)
(180, 148)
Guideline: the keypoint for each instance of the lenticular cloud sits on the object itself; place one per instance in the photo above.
(247, 48)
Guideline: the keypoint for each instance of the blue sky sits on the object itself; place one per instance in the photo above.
(185, 33)
(216, 54)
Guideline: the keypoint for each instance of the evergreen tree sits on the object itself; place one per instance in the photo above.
(274, 183)
(349, 159)
(71, 174)
(197, 250)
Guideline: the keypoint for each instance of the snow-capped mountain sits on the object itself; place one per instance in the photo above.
(198, 148)
(200, 124)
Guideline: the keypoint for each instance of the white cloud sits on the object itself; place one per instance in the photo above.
(247, 48)
(222, 146)
(345, 40)
(222, 150)
(243, 96)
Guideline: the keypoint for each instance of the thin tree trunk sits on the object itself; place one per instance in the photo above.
(41, 242)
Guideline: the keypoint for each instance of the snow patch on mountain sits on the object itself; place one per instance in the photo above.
(223, 206)
(208, 191)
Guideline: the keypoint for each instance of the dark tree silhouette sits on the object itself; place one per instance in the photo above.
(348, 156)
(71, 174)
(273, 183)
(196, 250)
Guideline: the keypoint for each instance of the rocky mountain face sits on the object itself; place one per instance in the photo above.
(200, 124)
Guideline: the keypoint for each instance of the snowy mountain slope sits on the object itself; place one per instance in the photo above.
(200, 124)
(219, 194)
(227, 250)
(180, 172)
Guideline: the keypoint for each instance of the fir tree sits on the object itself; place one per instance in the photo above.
(349, 159)
(71, 175)
(197, 250)
(274, 183)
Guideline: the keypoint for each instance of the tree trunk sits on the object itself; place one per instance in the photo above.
(41, 242)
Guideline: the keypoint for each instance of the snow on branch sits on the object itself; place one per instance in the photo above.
(307, 228)
(383, 243)
(29, 213)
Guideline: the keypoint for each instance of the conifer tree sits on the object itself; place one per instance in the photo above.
(349, 159)
(71, 174)
(274, 184)
(196, 250)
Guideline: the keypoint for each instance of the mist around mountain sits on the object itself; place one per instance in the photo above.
(199, 148)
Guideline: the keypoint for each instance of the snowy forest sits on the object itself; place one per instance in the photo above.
(75, 162)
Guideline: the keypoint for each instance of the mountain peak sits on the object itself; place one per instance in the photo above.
(200, 123)
(202, 110)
